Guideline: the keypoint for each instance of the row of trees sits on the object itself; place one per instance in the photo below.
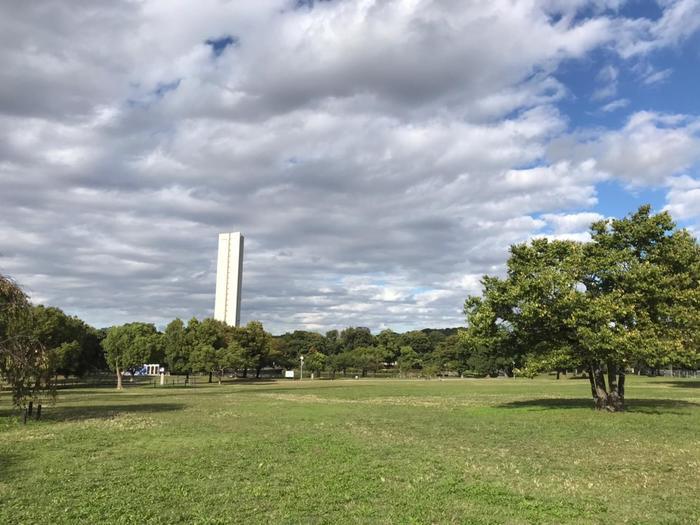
(207, 346)
(39, 343)
(426, 352)
(211, 347)
(628, 298)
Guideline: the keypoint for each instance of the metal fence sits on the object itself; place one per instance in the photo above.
(679, 372)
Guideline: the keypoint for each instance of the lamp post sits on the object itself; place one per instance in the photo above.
(301, 369)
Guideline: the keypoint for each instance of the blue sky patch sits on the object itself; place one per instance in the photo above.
(219, 45)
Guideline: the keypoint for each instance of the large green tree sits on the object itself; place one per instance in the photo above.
(356, 337)
(255, 344)
(177, 348)
(74, 346)
(288, 347)
(316, 362)
(25, 363)
(419, 341)
(390, 344)
(129, 346)
(206, 334)
(367, 359)
(408, 360)
(630, 295)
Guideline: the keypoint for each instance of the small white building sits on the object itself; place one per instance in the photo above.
(153, 369)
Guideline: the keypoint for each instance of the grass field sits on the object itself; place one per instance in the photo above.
(367, 451)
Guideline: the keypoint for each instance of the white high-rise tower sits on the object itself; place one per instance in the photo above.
(229, 275)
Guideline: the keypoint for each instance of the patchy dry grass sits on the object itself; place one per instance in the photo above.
(385, 451)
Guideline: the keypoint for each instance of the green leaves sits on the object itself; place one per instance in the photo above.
(25, 363)
(131, 345)
(631, 295)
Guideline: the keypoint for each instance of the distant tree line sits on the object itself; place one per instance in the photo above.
(63, 345)
(628, 299)
(356, 350)
(214, 348)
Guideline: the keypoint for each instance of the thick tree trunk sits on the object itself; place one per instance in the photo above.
(601, 392)
(257, 373)
(616, 379)
(210, 374)
(612, 396)
(245, 372)
(119, 379)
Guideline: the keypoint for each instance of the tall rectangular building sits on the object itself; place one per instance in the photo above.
(229, 275)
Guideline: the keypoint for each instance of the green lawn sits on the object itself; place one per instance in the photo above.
(367, 451)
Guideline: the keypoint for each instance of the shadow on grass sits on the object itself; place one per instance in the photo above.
(60, 413)
(8, 464)
(682, 383)
(643, 406)
(314, 387)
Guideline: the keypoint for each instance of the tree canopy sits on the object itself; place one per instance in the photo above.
(129, 346)
(25, 363)
(629, 296)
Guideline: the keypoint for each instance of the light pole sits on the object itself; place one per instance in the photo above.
(301, 369)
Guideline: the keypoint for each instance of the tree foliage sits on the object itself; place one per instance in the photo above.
(25, 363)
(74, 346)
(630, 295)
(129, 346)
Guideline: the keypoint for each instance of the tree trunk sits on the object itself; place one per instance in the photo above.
(257, 373)
(558, 372)
(616, 380)
(621, 386)
(245, 372)
(210, 373)
(612, 396)
(119, 379)
(592, 382)
(601, 391)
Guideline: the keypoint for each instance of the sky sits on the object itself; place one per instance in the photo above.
(379, 156)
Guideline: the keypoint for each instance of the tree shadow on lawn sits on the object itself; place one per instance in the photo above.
(311, 386)
(642, 406)
(682, 384)
(9, 462)
(60, 413)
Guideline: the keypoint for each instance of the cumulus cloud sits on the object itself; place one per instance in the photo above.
(572, 222)
(379, 156)
(679, 20)
(683, 198)
(647, 150)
